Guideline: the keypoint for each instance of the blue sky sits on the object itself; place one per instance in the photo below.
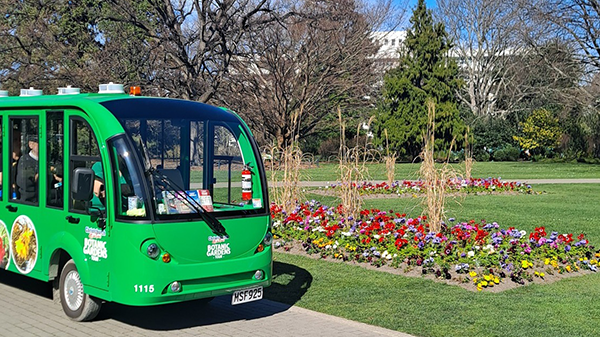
(412, 3)
(407, 5)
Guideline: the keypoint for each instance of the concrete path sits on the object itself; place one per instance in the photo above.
(528, 181)
(27, 309)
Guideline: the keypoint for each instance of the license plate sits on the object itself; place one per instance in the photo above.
(247, 295)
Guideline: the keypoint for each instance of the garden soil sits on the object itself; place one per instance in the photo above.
(455, 279)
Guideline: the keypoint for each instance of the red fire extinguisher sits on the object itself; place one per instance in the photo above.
(246, 183)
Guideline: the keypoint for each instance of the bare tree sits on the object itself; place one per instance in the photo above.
(180, 48)
(576, 20)
(197, 39)
(47, 44)
(304, 67)
(486, 35)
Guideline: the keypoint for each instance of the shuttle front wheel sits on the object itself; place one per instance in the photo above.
(76, 304)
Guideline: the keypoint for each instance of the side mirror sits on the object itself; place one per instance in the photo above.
(82, 186)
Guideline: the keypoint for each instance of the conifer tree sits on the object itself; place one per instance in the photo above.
(425, 71)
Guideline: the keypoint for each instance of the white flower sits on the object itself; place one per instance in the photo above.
(471, 253)
(376, 236)
(276, 223)
(335, 246)
(389, 257)
(432, 253)
(488, 247)
(328, 246)
(523, 233)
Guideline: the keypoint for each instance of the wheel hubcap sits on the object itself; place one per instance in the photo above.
(73, 290)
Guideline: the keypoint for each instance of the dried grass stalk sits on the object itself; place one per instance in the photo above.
(285, 176)
(390, 160)
(353, 168)
(436, 179)
(468, 155)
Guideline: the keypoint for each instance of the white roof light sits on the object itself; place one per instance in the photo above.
(68, 90)
(31, 92)
(111, 88)
(3, 93)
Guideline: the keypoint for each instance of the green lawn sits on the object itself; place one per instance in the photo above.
(426, 308)
(506, 170)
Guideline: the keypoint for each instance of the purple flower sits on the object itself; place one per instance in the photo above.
(567, 248)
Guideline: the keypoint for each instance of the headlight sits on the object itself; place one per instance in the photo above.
(152, 251)
(268, 240)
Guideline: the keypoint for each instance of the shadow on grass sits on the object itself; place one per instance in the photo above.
(290, 283)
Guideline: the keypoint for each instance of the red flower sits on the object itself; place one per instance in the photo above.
(400, 242)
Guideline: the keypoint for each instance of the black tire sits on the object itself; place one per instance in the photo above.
(76, 304)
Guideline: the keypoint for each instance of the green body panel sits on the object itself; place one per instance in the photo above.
(125, 273)
(186, 242)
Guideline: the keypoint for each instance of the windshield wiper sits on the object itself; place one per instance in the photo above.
(212, 222)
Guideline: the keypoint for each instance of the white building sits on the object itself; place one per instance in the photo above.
(388, 54)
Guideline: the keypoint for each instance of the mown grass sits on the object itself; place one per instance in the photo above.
(505, 170)
(426, 308)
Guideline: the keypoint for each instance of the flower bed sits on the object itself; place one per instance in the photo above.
(480, 253)
(455, 185)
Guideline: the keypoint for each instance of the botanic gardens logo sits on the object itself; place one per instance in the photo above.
(218, 248)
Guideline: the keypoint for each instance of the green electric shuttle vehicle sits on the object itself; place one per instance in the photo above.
(130, 199)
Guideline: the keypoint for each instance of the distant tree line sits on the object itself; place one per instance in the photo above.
(520, 76)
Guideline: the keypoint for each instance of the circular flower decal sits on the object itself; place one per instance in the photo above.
(4, 246)
(24, 244)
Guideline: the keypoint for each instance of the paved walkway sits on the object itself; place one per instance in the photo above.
(27, 309)
(528, 181)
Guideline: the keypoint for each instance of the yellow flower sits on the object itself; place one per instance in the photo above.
(479, 288)
(22, 243)
(537, 273)
(568, 268)
(484, 283)
(472, 273)
(487, 277)
(547, 261)
(475, 280)
(524, 264)
(496, 280)
(542, 274)
(336, 255)
(594, 261)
